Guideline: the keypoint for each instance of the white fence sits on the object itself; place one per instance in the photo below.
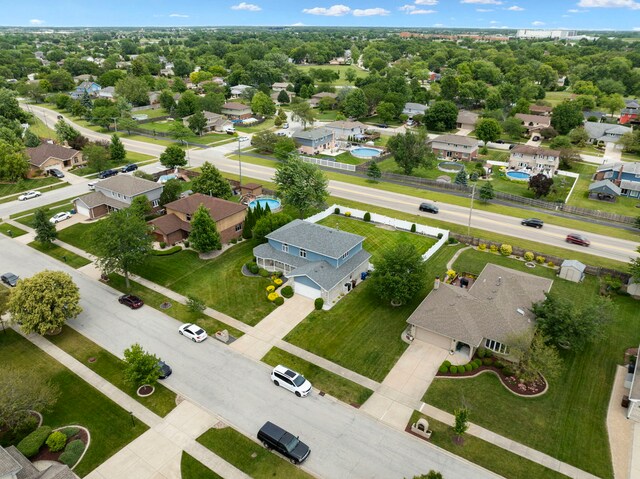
(329, 163)
(570, 174)
(385, 220)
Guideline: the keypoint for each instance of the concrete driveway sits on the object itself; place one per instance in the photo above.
(612, 153)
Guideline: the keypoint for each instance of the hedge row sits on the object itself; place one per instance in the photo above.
(31, 444)
(166, 252)
(72, 453)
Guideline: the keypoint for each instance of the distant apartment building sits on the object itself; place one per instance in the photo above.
(535, 34)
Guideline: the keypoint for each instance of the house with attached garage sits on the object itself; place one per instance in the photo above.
(345, 129)
(90, 87)
(626, 176)
(116, 193)
(496, 306)
(215, 122)
(51, 156)
(455, 147)
(319, 262)
(467, 120)
(602, 133)
(314, 141)
(534, 122)
(411, 109)
(236, 111)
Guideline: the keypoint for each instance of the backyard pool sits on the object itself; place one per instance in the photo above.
(518, 175)
(164, 178)
(274, 204)
(450, 166)
(364, 152)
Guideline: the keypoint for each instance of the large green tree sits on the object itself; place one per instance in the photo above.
(211, 182)
(534, 356)
(355, 104)
(13, 162)
(262, 104)
(442, 115)
(410, 150)
(141, 367)
(45, 230)
(44, 302)
(264, 141)
(197, 122)
(399, 274)
(301, 111)
(540, 184)
(116, 149)
(171, 191)
(301, 185)
(96, 156)
(134, 89)
(488, 129)
(566, 116)
(204, 236)
(172, 157)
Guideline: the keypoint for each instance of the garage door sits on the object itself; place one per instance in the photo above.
(306, 291)
(82, 210)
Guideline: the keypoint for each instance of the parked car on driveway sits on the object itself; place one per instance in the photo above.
(165, 370)
(130, 300)
(533, 222)
(291, 380)
(129, 167)
(10, 279)
(274, 437)
(58, 217)
(429, 208)
(192, 331)
(285, 126)
(55, 172)
(27, 195)
(107, 173)
(578, 239)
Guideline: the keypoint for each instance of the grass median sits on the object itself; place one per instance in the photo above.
(191, 468)
(61, 254)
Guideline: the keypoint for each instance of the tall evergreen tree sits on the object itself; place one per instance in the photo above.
(116, 149)
(204, 236)
(45, 230)
(248, 224)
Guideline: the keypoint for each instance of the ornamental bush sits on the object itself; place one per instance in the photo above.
(539, 259)
(252, 267)
(506, 250)
(550, 264)
(474, 366)
(72, 453)
(482, 352)
(453, 369)
(336, 211)
(478, 362)
(482, 247)
(272, 296)
(461, 369)
(508, 371)
(367, 216)
(347, 213)
(443, 369)
(70, 431)
(413, 228)
(31, 444)
(499, 364)
(263, 272)
(287, 291)
(487, 361)
(271, 288)
(493, 248)
(186, 243)
(279, 301)
(446, 363)
(167, 252)
(56, 441)
(468, 367)
(318, 303)
(277, 282)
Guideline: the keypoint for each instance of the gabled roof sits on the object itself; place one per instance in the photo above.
(218, 208)
(415, 106)
(324, 94)
(97, 198)
(128, 185)
(320, 239)
(232, 105)
(456, 140)
(572, 263)
(44, 151)
(633, 168)
(346, 125)
(465, 116)
(535, 150)
(600, 130)
(603, 185)
(543, 120)
(540, 108)
(325, 275)
(313, 134)
(8, 464)
(170, 223)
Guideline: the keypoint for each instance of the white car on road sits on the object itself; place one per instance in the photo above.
(27, 195)
(194, 332)
(58, 217)
(291, 380)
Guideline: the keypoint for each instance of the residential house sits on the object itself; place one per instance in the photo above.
(466, 120)
(116, 193)
(604, 132)
(345, 129)
(540, 110)
(496, 306)
(624, 175)
(314, 101)
(319, 262)
(14, 465)
(572, 270)
(215, 122)
(154, 97)
(47, 156)
(175, 225)
(274, 96)
(534, 122)
(83, 78)
(108, 93)
(535, 159)
(411, 109)
(279, 86)
(238, 90)
(604, 190)
(598, 115)
(629, 114)
(236, 111)
(166, 72)
(92, 88)
(314, 141)
(455, 147)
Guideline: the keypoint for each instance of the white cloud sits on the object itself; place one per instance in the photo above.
(438, 25)
(636, 29)
(370, 12)
(333, 11)
(632, 4)
(427, 2)
(537, 23)
(515, 8)
(179, 15)
(483, 2)
(407, 8)
(484, 10)
(297, 24)
(35, 21)
(575, 10)
(422, 11)
(250, 7)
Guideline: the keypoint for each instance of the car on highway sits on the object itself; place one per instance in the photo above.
(58, 217)
(578, 239)
(55, 172)
(243, 138)
(290, 380)
(276, 438)
(10, 279)
(27, 195)
(165, 370)
(107, 173)
(533, 222)
(129, 167)
(131, 300)
(192, 331)
(429, 208)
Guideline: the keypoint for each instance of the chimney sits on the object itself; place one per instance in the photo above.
(436, 283)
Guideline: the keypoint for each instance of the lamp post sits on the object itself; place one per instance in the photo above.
(240, 163)
(473, 194)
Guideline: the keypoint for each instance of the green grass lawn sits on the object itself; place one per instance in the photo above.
(10, 230)
(79, 403)
(485, 454)
(25, 184)
(110, 367)
(40, 129)
(132, 157)
(165, 126)
(61, 254)
(191, 468)
(361, 332)
(345, 157)
(375, 120)
(321, 379)
(554, 425)
(152, 113)
(249, 456)
(555, 97)
(559, 191)
(341, 69)
(44, 189)
(50, 210)
(329, 115)
(266, 125)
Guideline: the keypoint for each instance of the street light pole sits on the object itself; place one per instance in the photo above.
(240, 163)
(473, 194)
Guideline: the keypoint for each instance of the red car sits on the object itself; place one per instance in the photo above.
(578, 239)
(130, 300)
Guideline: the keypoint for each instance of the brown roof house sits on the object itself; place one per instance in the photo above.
(215, 122)
(49, 155)
(534, 122)
(13, 465)
(540, 110)
(175, 226)
(466, 120)
(535, 159)
(314, 101)
(496, 306)
(455, 146)
(236, 111)
(116, 193)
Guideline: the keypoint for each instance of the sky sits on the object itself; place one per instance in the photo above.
(498, 14)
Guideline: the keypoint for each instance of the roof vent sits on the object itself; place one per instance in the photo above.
(520, 311)
(499, 282)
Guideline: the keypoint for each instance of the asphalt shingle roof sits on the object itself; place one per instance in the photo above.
(128, 185)
(8, 465)
(325, 275)
(41, 153)
(98, 198)
(313, 134)
(456, 140)
(218, 208)
(573, 263)
(604, 185)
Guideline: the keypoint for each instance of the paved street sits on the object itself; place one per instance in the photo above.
(343, 440)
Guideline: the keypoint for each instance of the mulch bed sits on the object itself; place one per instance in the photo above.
(46, 455)
(510, 382)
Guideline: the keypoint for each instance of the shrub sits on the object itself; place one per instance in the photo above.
(70, 431)
(478, 362)
(163, 244)
(481, 352)
(528, 256)
(272, 296)
(277, 274)
(468, 367)
(487, 361)
(508, 371)
(550, 264)
(452, 240)
(336, 211)
(461, 369)
(233, 241)
(186, 243)
(72, 453)
(367, 216)
(440, 235)
(277, 282)
(287, 291)
(474, 366)
(446, 363)
(318, 303)
(443, 369)
(167, 252)
(347, 213)
(539, 259)
(506, 250)
(195, 305)
(499, 364)
(493, 248)
(279, 301)
(271, 288)
(31, 444)
(56, 441)
(482, 247)
(413, 228)
(263, 272)
(453, 369)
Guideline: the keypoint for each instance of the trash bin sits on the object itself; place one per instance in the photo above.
(73, 211)
(625, 401)
(363, 275)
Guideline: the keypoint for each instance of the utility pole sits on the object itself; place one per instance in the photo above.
(473, 194)
(240, 163)
(115, 124)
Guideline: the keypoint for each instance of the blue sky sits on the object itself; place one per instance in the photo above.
(572, 14)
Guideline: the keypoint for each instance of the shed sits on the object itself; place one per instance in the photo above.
(572, 270)
(251, 189)
(633, 288)
(604, 190)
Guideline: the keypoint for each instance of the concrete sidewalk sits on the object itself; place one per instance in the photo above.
(620, 428)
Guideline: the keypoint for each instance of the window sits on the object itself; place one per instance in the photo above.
(496, 346)
(285, 247)
(303, 253)
(344, 255)
(238, 227)
(155, 203)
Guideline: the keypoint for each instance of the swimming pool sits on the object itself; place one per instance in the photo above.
(450, 166)
(518, 175)
(274, 204)
(364, 152)
(164, 178)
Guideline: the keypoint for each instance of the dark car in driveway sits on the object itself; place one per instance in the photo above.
(130, 300)
(429, 208)
(129, 167)
(578, 239)
(276, 438)
(165, 370)
(10, 279)
(533, 222)
(107, 173)
(55, 172)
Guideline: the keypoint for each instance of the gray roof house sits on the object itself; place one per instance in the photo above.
(496, 306)
(466, 120)
(13, 465)
(455, 147)
(215, 122)
(315, 140)
(604, 132)
(344, 129)
(411, 109)
(321, 262)
(604, 190)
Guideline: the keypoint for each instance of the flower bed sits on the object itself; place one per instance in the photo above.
(69, 455)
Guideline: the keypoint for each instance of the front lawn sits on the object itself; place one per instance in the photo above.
(361, 332)
(25, 184)
(50, 210)
(265, 125)
(110, 367)
(61, 254)
(340, 69)
(249, 456)
(131, 157)
(321, 379)
(79, 235)
(11, 231)
(191, 468)
(568, 422)
(110, 426)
